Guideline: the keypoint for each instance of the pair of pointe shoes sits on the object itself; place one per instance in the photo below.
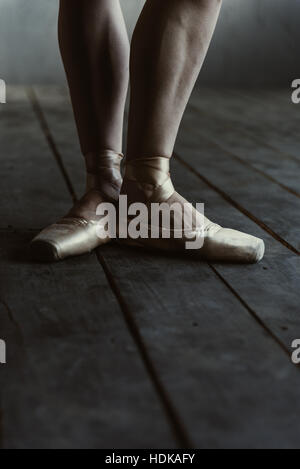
(148, 181)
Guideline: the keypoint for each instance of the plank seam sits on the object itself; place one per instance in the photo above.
(179, 431)
(11, 317)
(46, 131)
(243, 162)
(252, 312)
(254, 137)
(237, 206)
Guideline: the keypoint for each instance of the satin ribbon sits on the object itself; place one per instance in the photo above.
(106, 171)
(152, 176)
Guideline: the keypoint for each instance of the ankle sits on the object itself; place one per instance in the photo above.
(134, 191)
(105, 157)
(147, 180)
(104, 173)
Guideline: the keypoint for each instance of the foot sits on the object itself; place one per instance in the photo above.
(148, 181)
(78, 232)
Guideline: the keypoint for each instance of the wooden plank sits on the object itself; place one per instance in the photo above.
(276, 126)
(277, 102)
(274, 108)
(270, 288)
(274, 207)
(74, 377)
(230, 135)
(211, 354)
(283, 118)
(25, 170)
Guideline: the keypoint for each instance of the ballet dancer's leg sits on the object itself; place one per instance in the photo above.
(95, 51)
(168, 49)
(169, 46)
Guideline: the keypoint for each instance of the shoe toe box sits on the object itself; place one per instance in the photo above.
(234, 246)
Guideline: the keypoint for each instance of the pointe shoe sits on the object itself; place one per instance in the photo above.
(148, 181)
(78, 232)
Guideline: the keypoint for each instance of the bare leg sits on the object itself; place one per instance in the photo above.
(169, 45)
(95, 51)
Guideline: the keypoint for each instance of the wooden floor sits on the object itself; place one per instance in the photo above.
(128, 349)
